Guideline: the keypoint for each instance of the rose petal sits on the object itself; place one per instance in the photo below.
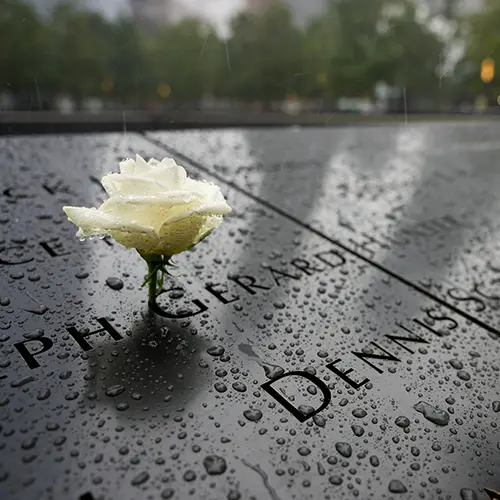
(123, 184)
(203, 209)
(93, 222)
(150, 210)
(153, 206)
(177, 236)
(208, 190)
(127, 166)
(169, 174)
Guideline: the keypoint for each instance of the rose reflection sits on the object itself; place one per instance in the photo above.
(157, 369)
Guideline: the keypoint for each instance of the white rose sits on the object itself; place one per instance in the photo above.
(154, 207)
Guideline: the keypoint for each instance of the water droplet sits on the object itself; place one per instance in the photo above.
(189, 475)
(253, 415)
(358, 430)
(71, 395)
(272, 371)
(359, 413)
(167, 494)
(455, 363)
(496, 406)
(468, 494)
(140, 479)
(319, 420)
(403, 422)
(114, 283)
(40, 310)
(82, 275)
(396, 486)
(335, 480)
(214, 465)
(220, 387)
(304, 451)
(374, 461)
(44, 394)
(35, 334)
(176, 294)
(344, 449)
(435, 415)
(28, 444)
(4, 301)
(216, 350)
(239, 386)
(115, 390)
(22, 381)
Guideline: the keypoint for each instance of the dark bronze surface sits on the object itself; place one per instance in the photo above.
(337, 337)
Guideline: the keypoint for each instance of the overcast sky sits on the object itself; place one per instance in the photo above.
(218, 12)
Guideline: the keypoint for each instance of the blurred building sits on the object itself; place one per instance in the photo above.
(451, 8)
(150, 13)
(257, 5)
(302, 10)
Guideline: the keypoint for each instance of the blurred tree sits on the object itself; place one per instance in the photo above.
(79, 46)
(264, 55)
(415, 52)
(186, 58)
(482, 34)
(344, 52)
(126, 75)
(359, 49)
(24, 51)
(380, 40)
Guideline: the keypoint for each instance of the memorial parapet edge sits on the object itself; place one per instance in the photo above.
(276, 364)
(419, 200)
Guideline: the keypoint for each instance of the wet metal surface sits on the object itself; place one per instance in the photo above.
(292, 356)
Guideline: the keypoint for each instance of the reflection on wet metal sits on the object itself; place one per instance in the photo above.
(338, 338)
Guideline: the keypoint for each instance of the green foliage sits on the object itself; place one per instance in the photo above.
(23, 44)
(482, 35)
(263, 55)
(344, 52)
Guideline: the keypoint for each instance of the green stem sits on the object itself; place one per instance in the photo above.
(157, 268)
(153, 278)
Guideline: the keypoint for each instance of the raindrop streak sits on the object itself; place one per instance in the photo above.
(23, 381)
(434, 415)
(265, 479)
(40, 310)
(114, 390)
